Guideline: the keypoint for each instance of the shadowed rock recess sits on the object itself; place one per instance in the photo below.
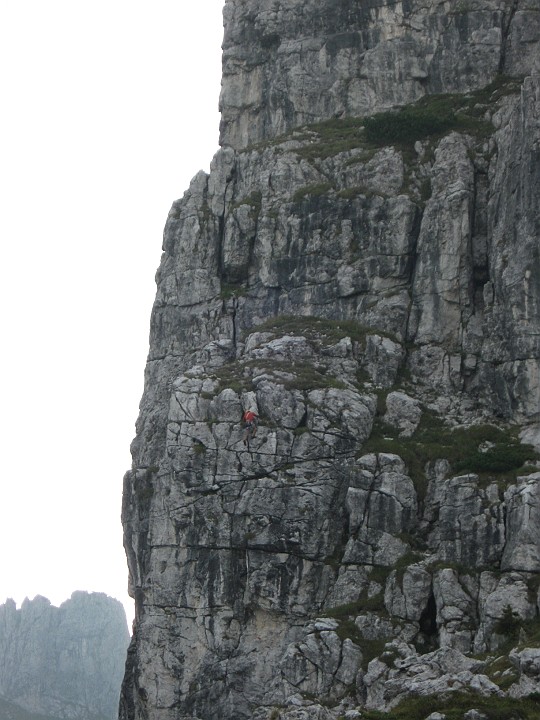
(361, 267)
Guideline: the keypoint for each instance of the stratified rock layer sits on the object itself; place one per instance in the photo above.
(64, 662)
(377, 304)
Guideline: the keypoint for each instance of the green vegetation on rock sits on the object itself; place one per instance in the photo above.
(332, 137)
(515, 628)
(411, 123)
(486, 450)
(454, 705)
(229, 290)
(431, 116)
(254, 200)
(327, 332)
(296, 376)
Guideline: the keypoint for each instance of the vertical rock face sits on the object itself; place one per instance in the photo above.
(64, 662)
(369, 287)
(287, 63)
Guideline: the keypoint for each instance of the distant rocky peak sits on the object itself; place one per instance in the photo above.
(63, 662)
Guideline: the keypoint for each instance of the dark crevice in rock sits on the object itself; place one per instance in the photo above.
(429, 633)
(479, 249)
(506, 23)
(220, 240)
(234, 323)
(413, 267)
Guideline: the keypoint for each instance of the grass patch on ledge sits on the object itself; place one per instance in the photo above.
(327, 332)
(453, 705)
(493, 453)
(431, 117)
(303, 376)
(411, 123)
(364, 604)
(333, 137)
(233, 376)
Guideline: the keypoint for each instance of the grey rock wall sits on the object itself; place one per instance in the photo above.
(287, 64)
(376, 303)
(64, 662)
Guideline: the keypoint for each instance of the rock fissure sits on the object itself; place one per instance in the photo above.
(506, 22)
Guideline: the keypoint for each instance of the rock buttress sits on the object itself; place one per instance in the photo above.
(371, 291)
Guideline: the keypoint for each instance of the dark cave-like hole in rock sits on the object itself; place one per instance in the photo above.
(429, 634)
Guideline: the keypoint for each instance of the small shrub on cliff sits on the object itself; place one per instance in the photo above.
(509, 624)
(514, 628)
(230, 290)
(498, 459)
(410, 123)
(233, 376)
(199, 448)
(254, 200)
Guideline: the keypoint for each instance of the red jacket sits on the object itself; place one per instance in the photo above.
(249, 416)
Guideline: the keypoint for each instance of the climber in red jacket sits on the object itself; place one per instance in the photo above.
(249, 419)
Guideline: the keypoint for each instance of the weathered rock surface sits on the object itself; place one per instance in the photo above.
(376, 302)
(287, 64)
(64, 662)
(442, 671)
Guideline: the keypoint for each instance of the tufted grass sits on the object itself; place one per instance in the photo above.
(306, 376)
(333, 137)
(233, 375)
(454, 705)
(230, 290)
(433, 440)
(327, 332)
(254, 200)
(299, 376)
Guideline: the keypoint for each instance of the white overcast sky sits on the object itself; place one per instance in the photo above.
(108, 109)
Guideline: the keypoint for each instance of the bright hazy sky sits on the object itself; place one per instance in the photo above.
(109, 108)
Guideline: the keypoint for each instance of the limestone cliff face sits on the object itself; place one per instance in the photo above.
(64, 662)
(287, 63)
(370, 287)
